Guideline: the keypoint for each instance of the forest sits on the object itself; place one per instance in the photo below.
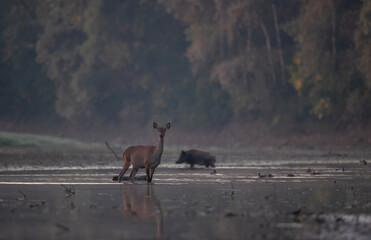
(199, 64)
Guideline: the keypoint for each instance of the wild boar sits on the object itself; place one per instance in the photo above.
(193, 157)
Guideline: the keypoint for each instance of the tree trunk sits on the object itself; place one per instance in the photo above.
(241, 54)
(269, 50)
(333, 33)
(282, 63)
(221, 28)
(248, 53)
(249, 36)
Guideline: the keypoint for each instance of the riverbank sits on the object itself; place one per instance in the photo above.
(330, 201)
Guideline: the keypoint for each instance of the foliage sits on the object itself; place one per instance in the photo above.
(24, 88)
(18, 139)
(208, 62)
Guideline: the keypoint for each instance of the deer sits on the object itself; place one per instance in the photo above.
(148, 157)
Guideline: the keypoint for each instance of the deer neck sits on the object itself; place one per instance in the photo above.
(158, 150)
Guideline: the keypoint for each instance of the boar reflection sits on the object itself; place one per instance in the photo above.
(142, 206)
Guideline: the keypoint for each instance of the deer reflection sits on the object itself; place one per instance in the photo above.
(142, 206)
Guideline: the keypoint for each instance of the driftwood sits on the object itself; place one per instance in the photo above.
(24, 195)
(70, 191)
(114, 153)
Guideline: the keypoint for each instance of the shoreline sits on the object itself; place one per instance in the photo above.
(188, 204)
(185, 203)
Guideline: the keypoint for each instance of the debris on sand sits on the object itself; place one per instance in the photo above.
(290, 175)
(93, 206)
(342, 169)
(213, 172)
(331, 154)
(362, 162)
(296, 215)
(296, 212)
(264, 176)
(319, 219)
(35, 205)
(230, 214)
(69, 191)
(312, 172)
(232, 193)
(62, 228)
(21, 198)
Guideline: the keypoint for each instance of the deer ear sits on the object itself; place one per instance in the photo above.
(167, 125)
(155, 125)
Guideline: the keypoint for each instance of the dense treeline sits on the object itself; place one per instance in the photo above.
(208, 62)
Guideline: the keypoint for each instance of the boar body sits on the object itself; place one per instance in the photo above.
(193, 157)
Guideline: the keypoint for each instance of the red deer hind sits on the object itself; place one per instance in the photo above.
(148, 157)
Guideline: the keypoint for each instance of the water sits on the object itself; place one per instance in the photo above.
(69, 193)
(51, 158)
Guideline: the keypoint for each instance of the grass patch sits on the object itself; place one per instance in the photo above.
(21, 139)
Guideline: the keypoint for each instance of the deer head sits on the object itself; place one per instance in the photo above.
(161, 130)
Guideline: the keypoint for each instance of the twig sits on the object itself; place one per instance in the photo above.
(70, 191)
(108, 146)
(232, 193)
(24, 195)
(62, 227)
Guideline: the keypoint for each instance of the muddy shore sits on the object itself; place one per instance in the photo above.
(182, 203)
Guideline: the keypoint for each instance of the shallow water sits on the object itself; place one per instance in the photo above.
(51, 158)
(68, 194)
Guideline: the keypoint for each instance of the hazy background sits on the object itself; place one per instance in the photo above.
(233, 72)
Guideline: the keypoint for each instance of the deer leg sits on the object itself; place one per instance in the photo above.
(152, 170)
(124, 168)
(132, 174)
(148, 174)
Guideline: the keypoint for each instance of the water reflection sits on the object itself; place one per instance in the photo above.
(142, 206)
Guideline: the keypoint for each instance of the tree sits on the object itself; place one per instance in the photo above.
(324, 67)
(232, 42)
(24, 90)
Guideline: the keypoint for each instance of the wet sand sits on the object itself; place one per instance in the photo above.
(183, 203)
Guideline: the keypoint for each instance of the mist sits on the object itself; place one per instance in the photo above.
(231, 73)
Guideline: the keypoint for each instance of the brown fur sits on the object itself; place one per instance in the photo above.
(148, 157)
